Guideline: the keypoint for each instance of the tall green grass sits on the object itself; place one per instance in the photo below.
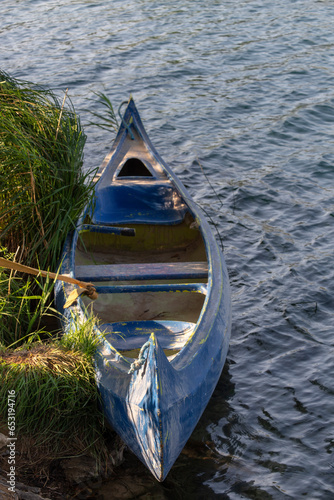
(43, 188)
(25, 308)
(57, 405)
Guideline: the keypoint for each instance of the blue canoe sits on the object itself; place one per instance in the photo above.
(164, 304)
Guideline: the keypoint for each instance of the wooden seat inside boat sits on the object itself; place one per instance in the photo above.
(142, 271)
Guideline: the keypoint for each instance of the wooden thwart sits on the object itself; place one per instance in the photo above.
(143, 271)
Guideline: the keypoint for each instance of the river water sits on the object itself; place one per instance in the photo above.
(246, 89)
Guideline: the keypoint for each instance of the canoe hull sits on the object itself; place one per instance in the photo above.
(155, 405)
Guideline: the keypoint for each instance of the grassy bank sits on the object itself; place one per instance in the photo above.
(43, 190)
(56, 401)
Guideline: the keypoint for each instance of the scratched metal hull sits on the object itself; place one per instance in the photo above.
(167, 288)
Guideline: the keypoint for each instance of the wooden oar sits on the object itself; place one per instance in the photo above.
(87, 288)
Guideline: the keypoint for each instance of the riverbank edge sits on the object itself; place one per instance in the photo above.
(56, 479)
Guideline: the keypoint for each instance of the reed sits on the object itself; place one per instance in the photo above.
(43, 191)
(107, 120)
(57, 406)
(25, 308)
(43, 188)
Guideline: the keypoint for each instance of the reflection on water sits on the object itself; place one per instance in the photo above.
(247, 88)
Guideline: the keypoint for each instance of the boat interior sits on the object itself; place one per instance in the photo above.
(144, 252)
(150, 277)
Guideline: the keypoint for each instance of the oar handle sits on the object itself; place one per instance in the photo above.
(36, 272)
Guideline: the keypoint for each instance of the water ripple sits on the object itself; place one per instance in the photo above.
(246, 88)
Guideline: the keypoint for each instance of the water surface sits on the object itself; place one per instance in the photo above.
(246, 89)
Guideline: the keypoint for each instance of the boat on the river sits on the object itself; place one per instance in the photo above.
(163, 306)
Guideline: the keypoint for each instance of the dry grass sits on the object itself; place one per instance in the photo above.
(56, 401)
